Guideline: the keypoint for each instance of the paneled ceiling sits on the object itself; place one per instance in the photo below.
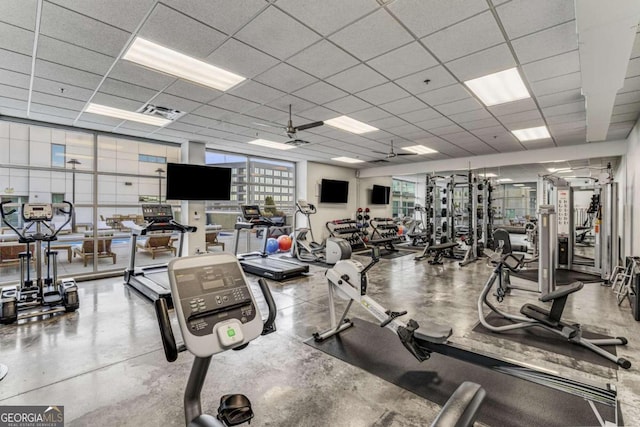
(364, 58)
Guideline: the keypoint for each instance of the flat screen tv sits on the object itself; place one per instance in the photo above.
(196, 182)
(380, 195)
(332, 191)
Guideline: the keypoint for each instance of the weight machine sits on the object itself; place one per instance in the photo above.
(44, 295)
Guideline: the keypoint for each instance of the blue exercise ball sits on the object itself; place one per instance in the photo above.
(272, 245)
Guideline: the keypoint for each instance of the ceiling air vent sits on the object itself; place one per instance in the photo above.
(164, 112)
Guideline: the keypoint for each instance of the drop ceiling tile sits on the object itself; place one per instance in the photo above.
(223, 15)
(525, 124)
(631, 84)
(613, 134)
(359, 40)
(92, 125)
(370, 114)
(347, 105)
(116, 102)
(234, 103)
(488, 61)
(420, 115)
(446, 130)
(558, 98)
(415, 83)
(470, 116)
(16, 39)
(192, 91)
(175, 102)
(539, 144)
(48, 112)
(481, 124)
(72, 56)
(197, 119)
(460, 106)
(104, 120)
(382, 94)
(329, 15)
(320, 114)
(404, 105)
(406, 130)
(123, 14)
(323, 59)
(568, 127)
(633, 69)
(134, 74)
(53, 88)
(21, 13)
(15, 61)
(269, 114)
(424, 17)
(513, 107)
(387, 123)
(619, 118)
(11, 78)
(256, 92)
(403, 61)
(320, 93)
(184, 127)
(552, 67)
(239, 58)
(298, 105)
(521, 17)
(434, 123)
(566, 118)
(557, 110)
(523, 116)
(11, 106)
(444, 95)
(557, 84)
(14, 92)
(627, 108)
(357, 79)
(472, 35)
(286, 78)
(487, 133)
(126, 90)
(176, 31)
(544, 44)
(277, 34)
(71, 27)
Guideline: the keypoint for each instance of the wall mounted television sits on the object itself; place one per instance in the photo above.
(333, 191)
(197, 182)
(380, 195)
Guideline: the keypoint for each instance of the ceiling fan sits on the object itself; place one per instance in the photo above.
(292, 130)
(391, 154)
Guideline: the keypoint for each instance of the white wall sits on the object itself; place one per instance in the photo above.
(310, 184)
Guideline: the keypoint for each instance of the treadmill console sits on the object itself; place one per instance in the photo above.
(251, 212)
(213, 300)
(37, 212)
(157, 213)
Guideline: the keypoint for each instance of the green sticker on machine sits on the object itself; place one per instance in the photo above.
(231, 332)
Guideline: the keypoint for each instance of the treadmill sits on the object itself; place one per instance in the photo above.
(260, 263)
(152, 281)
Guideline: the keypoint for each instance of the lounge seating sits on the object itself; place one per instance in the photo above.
(157, 243)
(85, 251)
(211, 239)
(9, 254)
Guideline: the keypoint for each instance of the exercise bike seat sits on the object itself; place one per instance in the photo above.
(432, 332)
(461, 409)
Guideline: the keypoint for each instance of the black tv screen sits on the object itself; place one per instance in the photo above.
(380, 195)
(332, 191)
(196, 182)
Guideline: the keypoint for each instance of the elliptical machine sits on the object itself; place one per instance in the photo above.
(42, 295)
(216, 312)
(331, 251)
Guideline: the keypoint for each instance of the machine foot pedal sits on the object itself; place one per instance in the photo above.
(235, 409)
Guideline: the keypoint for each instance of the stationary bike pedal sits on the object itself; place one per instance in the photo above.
(235, 409)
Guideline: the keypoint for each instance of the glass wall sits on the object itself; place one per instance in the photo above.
(403, 197)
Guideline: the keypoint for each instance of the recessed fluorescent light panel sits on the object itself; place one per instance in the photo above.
(103, 110)
(419, 149)
(160, 58)
(504, 180)
(488, 175)
(560, 170)
(498, 88)
(347, 159)
(350, 125)
(531, 134)
(271, 144)
(518, 185)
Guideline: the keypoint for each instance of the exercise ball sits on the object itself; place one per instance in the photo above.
(400, 230)
(272, 245)
(284, 242)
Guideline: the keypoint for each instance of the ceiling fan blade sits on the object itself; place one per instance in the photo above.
(309, 126)
(405, 154)
(267, 126)
(297, 142)
(379, 152)
(379, 161)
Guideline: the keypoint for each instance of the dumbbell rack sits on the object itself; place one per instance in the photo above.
(385, 233)
(348, 230)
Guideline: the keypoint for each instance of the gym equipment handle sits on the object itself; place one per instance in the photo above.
(166, 333)
(270, 323)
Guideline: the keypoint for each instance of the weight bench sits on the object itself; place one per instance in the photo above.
(437, 251)
(387, 243)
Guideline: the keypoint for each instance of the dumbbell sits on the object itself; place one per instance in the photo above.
(444, 200)
(479, 198)
(443, 212)
(445, 227)
(480, 186)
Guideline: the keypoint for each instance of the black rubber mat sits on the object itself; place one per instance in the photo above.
(545, 340)
(386, 254)
(563, 277)
(510, 401)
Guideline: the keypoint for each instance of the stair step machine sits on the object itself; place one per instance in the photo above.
(152, 280)
(259, 262)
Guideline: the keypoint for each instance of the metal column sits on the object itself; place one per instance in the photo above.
(547, 241)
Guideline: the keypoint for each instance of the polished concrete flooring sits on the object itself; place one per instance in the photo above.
(105, 363)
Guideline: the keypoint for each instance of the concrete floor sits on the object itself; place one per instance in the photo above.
(105, 363)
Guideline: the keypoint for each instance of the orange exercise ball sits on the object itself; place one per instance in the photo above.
(284, 242)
